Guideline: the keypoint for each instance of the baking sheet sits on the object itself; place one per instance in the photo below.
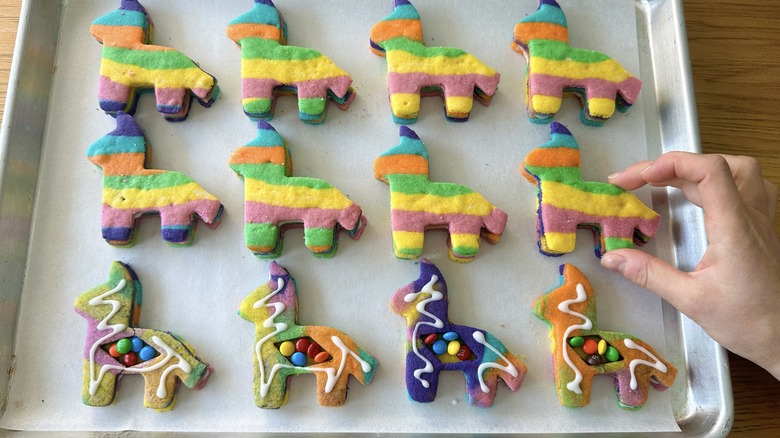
(67, 255)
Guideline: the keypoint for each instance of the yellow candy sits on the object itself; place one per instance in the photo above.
(453, 347)
(602, 346)
(287, 348)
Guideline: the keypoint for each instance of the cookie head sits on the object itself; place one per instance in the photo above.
(130, 23)
(264, 21)
(402, 24)
(547, 23)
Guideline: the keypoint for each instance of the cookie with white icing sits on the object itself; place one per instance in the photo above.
(582, 351)
(283, 348)
(116, 347)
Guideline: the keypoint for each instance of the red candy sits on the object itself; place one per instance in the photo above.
(112, 351)
(430, 339)
(302, 345)
(590, 346)
(313, 350)
(130, 359)
(464, 353)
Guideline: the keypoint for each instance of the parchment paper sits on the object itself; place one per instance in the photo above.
(196, 291)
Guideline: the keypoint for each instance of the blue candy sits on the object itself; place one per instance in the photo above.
(136, 344)
(439, 347)
(298, 359)
(147, 353)
(450, 336)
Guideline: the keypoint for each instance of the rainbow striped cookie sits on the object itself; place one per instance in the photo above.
(566, 202)
(417, 204)
(414, 70)
(131, 191)
(555, 68)
(276, 201)
(269, 67)
(131, 64)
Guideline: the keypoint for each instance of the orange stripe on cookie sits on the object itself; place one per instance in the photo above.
(403, 164)
(385, 30)
(237, 32)
(553, 157)
(258, 155)
(542, 31)
(118, 36)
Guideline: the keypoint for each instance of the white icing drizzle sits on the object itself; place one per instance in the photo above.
(94, 382)
(574, 385)
(509, 368)
(632, 365)
(332, 373)
(437, 323)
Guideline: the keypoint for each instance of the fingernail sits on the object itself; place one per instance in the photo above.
(647, 168)
(614, 263)
(614, 175)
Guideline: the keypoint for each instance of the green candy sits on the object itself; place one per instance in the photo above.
(576, 341)
(124, 345)
(612, 354)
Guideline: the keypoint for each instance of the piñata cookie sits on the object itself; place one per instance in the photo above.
(582, 351)
(417, 204)
(555, 69)
(566, 202)
(269, 68)
(131, 65)
(276, 201)
(415, 70)
(131, 191)
(116, 347)
(283, 348)
(434, 344)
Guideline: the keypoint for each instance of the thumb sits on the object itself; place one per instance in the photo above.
(650, 273)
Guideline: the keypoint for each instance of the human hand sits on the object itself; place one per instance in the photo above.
(734, 291)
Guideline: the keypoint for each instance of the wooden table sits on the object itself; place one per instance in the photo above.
(736, 75)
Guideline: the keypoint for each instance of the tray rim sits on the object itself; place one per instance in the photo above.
(695, 412)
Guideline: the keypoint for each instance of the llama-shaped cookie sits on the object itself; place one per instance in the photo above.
(582, 351)
(116, 347)
(434, 344)
(276, 201)
(567, 202)
(132, 191)
(283, 348)
(269, 67)
(417, 204)
(415, 70)
(131, 64)
(555, 68)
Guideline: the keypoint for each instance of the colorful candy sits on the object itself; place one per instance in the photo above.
(123, 345)
(137, 344)
(594, 350)
(130, 359)
(287, 348)
(448, 343)
(147, 353)
(300, 351)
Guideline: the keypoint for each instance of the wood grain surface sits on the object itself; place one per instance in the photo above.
(736, 70)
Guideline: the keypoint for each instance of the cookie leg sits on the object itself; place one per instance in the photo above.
(320, 241)
(104, 393)
(408, 244)
(463, 246)
(262, 239)
(170, 101)
(114, 96)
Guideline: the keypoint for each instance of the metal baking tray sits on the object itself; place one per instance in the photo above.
(701, 398)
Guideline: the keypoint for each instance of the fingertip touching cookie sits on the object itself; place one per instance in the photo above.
(566, 202)
(415, 70)
(115, 346)
(132, 191)
(131, 65)
(434, 344)
(582, 351)
(269, 68)
(275, 201)
(417, 204)
(283, 348)
(555, 69)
